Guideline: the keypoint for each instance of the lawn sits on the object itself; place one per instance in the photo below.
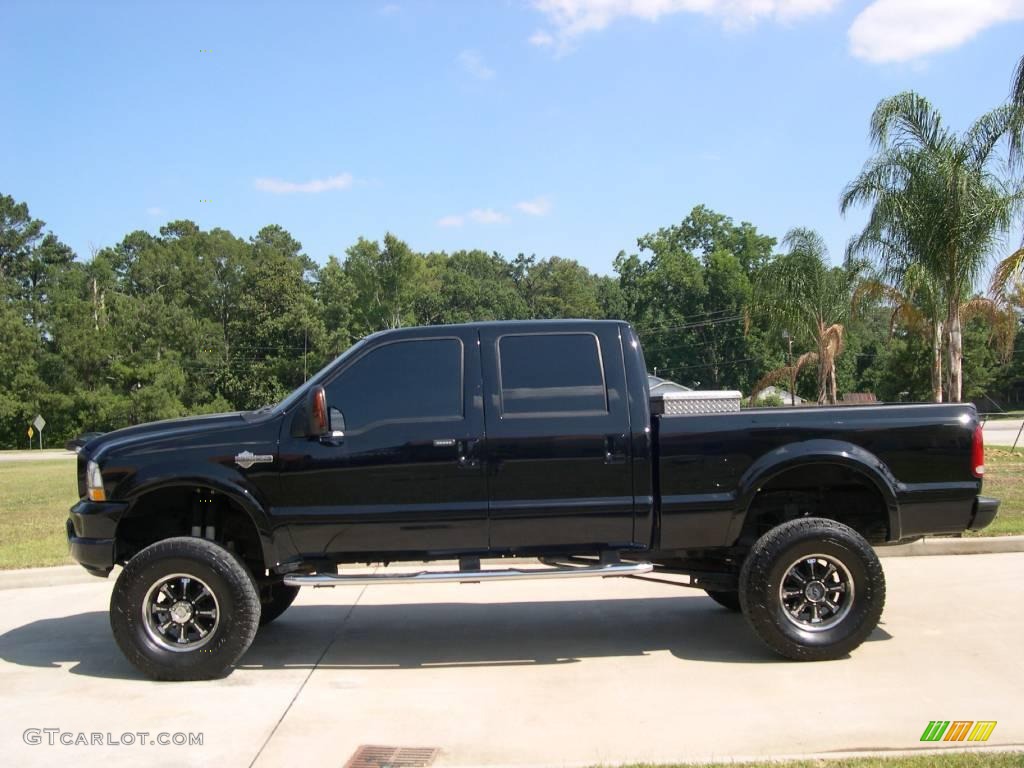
(34, 501)
(952, 760)
(35, 497)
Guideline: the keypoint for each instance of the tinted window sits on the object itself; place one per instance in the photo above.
(551, 373)
(401, 381)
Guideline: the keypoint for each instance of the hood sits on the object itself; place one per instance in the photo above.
(158, 432)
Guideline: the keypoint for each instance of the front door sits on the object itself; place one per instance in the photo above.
(405, 475)
(557, 427)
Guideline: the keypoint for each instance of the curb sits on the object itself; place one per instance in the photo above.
(981, 545)
(61, 575)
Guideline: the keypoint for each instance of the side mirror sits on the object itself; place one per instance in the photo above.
(316, 408)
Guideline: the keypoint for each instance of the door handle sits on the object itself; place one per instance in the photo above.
(467, 450)
(612, 453)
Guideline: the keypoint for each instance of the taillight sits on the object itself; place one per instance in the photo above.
(978, 453)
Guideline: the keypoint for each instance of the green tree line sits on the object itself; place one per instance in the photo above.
(194, 321)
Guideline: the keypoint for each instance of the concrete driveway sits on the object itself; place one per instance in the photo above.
(572, 672)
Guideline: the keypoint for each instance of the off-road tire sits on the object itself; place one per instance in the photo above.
(771, 558)
(237, 604)
(275, 599)
(730, 600)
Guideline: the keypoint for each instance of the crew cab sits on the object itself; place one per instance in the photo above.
(525, 439)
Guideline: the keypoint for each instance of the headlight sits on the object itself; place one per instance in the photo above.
(94, 482)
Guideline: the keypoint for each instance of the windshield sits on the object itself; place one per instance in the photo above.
(317, 378)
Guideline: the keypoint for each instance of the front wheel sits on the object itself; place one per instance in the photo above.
(275, 599)
(184, 609)
(812, 589)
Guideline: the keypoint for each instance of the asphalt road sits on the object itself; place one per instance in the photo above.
(1004, 432)
(574, 672)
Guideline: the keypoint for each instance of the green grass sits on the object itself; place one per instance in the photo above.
(1004, 479)
(34, 501)
(35, 497)
(952, 760)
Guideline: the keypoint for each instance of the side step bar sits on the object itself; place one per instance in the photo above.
(507, 574)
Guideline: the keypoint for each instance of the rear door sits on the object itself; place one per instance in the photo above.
(557, 425)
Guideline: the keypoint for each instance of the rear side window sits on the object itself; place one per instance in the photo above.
(548, 374)
(412, 380)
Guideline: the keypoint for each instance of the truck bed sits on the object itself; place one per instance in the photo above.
(911, 458)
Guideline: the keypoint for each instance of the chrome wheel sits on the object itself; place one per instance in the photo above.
(180, 612)
(816, 592)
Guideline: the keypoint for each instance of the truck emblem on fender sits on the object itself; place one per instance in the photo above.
(246, 459)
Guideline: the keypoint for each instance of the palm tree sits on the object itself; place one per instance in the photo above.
(1009, 271)
(937, 201)
(1017, 103)
(917, 312)
(917, 306)
(800, 292)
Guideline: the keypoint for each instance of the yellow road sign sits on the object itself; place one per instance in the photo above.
(31, 432)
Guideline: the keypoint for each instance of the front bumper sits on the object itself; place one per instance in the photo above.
(91, 529)
(985, 509)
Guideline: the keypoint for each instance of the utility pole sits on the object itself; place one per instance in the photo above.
(305, 348)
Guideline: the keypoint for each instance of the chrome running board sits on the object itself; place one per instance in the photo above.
(507, 574)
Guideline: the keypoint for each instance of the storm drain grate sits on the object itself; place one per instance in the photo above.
(374, 756)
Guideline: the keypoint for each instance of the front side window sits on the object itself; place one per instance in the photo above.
(415, 380)
(557, 373)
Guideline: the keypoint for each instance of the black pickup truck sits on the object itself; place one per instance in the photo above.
(511, 439)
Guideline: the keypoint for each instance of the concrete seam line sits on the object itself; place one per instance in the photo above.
(302, 686)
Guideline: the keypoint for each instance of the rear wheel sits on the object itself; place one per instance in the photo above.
(184, 609)
(812, 589)
(729, 599)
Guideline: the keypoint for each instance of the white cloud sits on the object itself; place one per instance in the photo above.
(155, 210)
(486, 216)
(478, 215)
(539, 206)
(473, 63)
(902, 30)
(573, 18)
(541, 39)
(282, 187)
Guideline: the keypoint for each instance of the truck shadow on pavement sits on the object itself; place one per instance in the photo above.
(415, 635)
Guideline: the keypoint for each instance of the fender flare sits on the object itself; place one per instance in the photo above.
(228, 484)
(833, 452)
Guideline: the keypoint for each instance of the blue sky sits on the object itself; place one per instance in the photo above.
(555, 127)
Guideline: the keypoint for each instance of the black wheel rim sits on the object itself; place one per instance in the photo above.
(816, 592)
(180, 612)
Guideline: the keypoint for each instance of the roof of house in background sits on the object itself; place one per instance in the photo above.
(660, 386)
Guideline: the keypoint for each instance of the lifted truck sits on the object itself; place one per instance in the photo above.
(511, 439)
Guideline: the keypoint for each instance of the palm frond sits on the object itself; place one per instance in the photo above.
(1007, 272)
(907, 118)
(1017, 123)
(784, 375)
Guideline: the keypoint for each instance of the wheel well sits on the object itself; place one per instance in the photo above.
(825, 490)
(189, 511)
